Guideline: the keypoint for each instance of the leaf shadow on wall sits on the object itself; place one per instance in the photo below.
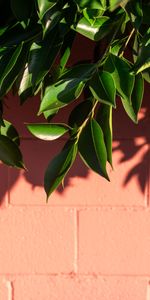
(138, 136)
(132, 143)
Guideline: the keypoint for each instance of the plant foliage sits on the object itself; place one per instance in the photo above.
(36, 41)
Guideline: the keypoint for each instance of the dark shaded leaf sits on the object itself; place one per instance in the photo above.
(104, 118)
(10, 131)
(22, 10)
(134, 9)
(10, 63)
(59, 167)
(66, 50)
(103, 88)
(92, 148)
(143, 59)
(80, 113)
(10, 153)
(48, 132)
(13, 74)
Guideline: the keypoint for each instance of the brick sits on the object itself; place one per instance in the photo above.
(83, 187)
(124, 128)
(79, 288)
(5, 289)
(35, 240)
(114, 242)
(3, 186)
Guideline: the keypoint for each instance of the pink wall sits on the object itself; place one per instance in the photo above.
(92, 240)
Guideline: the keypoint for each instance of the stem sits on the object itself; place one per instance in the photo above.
(127, 41)
(99, 63)
(90, 116)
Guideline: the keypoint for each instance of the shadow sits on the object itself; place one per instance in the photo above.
(138, 136)
(132, 140)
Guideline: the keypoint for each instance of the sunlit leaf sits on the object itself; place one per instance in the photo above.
(100, 28)
(47, 131)
(44, 5)
(103, 87)
(68, 88)
(92, 148)
(104, 118)
(120, 71)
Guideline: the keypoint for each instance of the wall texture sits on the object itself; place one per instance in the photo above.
(92, 240)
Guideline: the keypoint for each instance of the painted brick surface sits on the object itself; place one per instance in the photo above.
(5, 289)
(80, 288)
(92, 240)
(130, 177)
(114, 242)
(36, 240)
(3, 186)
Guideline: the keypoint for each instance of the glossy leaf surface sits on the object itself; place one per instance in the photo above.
(97, 30)
(120, 71)
(92, 148)
(104, 118)
(68, 88)
(103, 88)
(46, 131)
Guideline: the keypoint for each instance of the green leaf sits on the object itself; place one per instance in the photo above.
(10, 64)
(22, 10)
(66, 50)
(48, 132)
(146, 12)
(103, 88)
(59, 167)
(104, 118)
(134, 9)
(47, 49)
(80, 113)
(120, 70)
(92, 148)
(49, 114)
(115, 3)
(94, 4)
(10, 153)
(92, 14)
(137, 94)
(68, 88)
(143, 59)
(97, 31)
(146, 75)
(14, 72)
(10, 131)
(129, 109)
(44, 6)
(16, 35)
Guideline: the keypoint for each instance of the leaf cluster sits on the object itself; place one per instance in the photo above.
(37, 38)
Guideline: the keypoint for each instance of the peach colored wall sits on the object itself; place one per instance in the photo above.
(92, 240)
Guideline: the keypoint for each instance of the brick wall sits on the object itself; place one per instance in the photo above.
(92, 240)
